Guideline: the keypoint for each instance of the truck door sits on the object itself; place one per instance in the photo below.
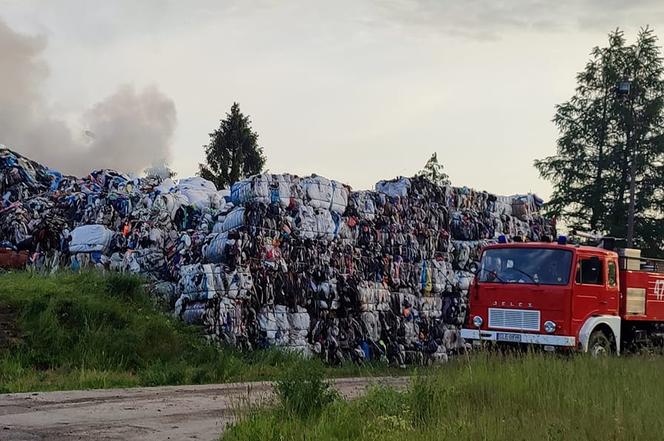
(588, 296)
(612, 293)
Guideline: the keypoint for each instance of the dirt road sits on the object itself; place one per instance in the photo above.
(147, 414)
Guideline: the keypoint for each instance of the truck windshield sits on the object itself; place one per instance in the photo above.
(539, 266)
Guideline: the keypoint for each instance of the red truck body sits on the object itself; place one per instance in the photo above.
(564, 296)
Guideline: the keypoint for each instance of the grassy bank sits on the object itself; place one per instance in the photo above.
(486, 398)
(80, 331)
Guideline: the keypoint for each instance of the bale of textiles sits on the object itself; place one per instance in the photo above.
(90, 238)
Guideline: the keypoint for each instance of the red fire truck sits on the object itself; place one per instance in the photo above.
(591, 299)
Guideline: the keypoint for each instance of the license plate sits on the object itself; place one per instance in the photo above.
(513, 338)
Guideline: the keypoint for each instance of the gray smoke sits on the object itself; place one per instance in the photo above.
(128, 131)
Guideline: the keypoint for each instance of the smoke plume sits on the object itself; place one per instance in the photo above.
(128, 131)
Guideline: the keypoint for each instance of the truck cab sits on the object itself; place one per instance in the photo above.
(562, 296)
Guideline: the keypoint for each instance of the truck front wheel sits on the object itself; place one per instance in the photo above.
(599, 345)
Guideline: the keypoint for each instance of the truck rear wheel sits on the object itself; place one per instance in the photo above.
(599, 345)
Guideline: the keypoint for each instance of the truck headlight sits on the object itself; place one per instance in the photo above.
(550, 327)
(477, 321)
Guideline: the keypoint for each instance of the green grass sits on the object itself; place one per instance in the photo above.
(489, 397)
(91, 330)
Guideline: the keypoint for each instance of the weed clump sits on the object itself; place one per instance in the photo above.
(304, 392)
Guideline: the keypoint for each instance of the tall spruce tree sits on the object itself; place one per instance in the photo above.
(233, 152)
(641, 158)
(587, 126)
(434, 172)
(612, 132)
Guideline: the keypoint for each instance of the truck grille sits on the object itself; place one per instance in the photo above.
(518, 319)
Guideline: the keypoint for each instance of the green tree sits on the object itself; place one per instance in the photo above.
(612, 134)
(233, 152)
(434, 172)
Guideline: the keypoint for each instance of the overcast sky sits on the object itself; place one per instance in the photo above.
(353, 90)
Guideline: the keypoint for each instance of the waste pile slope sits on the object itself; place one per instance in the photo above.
(303, 263)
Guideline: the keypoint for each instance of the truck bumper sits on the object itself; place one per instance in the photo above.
(518, 337)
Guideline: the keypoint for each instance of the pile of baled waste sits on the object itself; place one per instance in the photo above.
(303, 263)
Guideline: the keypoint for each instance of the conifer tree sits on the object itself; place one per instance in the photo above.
(612, 134)
(434, 172)
(233, 152)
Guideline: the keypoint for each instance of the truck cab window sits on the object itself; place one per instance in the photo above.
(613, 279)
(538, 266)
(589, 272)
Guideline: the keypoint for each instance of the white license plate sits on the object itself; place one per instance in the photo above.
(514, 338)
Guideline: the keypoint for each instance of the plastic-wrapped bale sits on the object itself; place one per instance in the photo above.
(268, 324)
(373, 296)
(148, 261)
(193, 313)
(239, 283)
(364, 204)
(317, 224)
(327, 225)
(202, 281)
(395, 188)
(455, 309)
(430, 306)
(267, 188)
(220, 216)
(325, 293)
(325, 194)
(289, 190)
(241, 192)
(441, 276)
(169, 204)
(299, 322)
(461, 250)
(371, 321)
(90, 238)
(284, 328)
(233, 220)
(503, 205)
(407, 302)
(228, 323)
(214, 250)
(200, 193)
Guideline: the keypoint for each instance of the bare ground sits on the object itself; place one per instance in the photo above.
(147, 414)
